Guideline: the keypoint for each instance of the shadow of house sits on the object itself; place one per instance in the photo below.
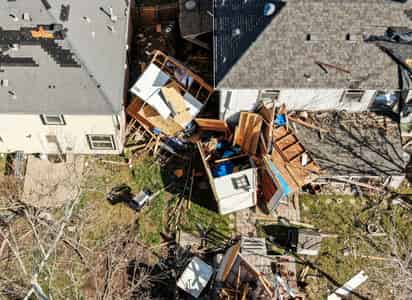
(196, 21)
(362, 145)
(237, 25)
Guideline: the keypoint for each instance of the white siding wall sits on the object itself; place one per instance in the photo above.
(295, 99)
(27, 133)
(322, 99)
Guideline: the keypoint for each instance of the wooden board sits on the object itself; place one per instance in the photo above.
(174, 99)
(286, 141)
(280, 164)
(199, 88)
(268, 115)
(213, 125)
(267, 185)
(247, 132)
(167, 126)
(280, 132)
(293, 151)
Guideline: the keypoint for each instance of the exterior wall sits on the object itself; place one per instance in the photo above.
(295, 99)
(234, 101)
(322, 99)
(27, 133)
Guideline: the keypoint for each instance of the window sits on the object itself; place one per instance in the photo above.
(241, 182)
(269, 95)
(101, 142)
(52, 119)
(353, 96)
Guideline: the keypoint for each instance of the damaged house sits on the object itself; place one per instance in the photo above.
(361, 147)
(63, 75)
(309, 55)
(168, 96)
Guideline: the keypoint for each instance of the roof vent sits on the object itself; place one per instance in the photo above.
(190, 5)
(26, 16)
(14, 17)
(12, 94)
(64, 13)
(113, 17)
(4, 83)
(269, 9)
(236, 32)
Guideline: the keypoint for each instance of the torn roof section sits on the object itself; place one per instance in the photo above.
(258, 47)
(168, 96)
(355, 144)
(195, 17)
(95, 44)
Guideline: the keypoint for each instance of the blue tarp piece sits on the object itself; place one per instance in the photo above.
(226, 151)
(223, 169)
(285, 187)
(280, 120)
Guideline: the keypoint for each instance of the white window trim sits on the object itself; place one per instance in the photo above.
(92, 145)
(46, 122)
(353, 91)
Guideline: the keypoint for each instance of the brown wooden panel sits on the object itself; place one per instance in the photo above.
(286, 141)
(293, 151)
(268, 186)
(280, 132)
(247, 132)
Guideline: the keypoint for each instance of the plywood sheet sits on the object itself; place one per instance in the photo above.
(280, 164)
(286, 141)
(280, 132)
(168, 126)
(293, 151)
(174, 99)
(247, 132)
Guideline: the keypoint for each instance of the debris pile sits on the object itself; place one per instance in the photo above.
(255, 165)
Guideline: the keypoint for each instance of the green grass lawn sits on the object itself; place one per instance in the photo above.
(347, 216)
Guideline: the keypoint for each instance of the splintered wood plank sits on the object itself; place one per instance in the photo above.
(213, 125)
(167, 126)
(286, 141)
(298, 173)
(174, 98)
(280, 132)
(293, 151)
(304, 174)
(134, 107)
(313, 167)
(281, 166)
(268, 115)
(268, 186)
(248, 131)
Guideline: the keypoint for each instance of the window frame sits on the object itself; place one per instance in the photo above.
(353, 92)
(263, 95)
(92, 144)
(44, 120)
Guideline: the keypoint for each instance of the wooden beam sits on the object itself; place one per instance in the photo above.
(306, 124)
(218, 161)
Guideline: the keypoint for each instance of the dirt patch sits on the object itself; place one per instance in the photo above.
(50, 184)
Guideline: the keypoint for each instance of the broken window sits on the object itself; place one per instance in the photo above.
(53, 119)
(101, 142)
(269, 95)
(353, 95)
(241, 182)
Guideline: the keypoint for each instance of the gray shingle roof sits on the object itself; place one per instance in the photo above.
(272, 51)
(97, 87)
